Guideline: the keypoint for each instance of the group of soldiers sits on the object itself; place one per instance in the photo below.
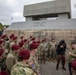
(20, 55)
(39, 51)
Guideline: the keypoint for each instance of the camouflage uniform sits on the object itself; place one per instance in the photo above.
(2, 60)
(26, 46)
(34, 64)
(7, 47)
(11, 60)
(52, 50)
(22, 69)
(42, 52)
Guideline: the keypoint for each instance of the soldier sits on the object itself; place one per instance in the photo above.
(15, 39)
(72, 56)
(33, 61)
(32, 40)
(21, 67)
(22, 39)
(52, 49)
(12, 57)
(61, 49)
(7, 45)
(2, 58)
(26, 44)
(21, 44)
(4, 38)
(42, 51)
(1, 44)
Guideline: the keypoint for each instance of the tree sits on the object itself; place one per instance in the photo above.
(1, 26)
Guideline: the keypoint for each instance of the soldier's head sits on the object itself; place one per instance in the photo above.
(11, 37)
(21, 37)
(33, 48)
(21, 44)
(23, 55)
(15, 48)
(4, 37)
(1, 53)
(53, 40)
(73, 45)
(25, 41)
(15, 38)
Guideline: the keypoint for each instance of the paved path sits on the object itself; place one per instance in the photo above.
(49, 69)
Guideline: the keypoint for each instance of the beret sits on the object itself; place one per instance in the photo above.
(3, 36)
(11, 36)
(73, 64)
(25, 54)
(21, 44)
(1, 41)
(15, 47)
(25, 40)
(33, 39)
(33, 46)
(15, 37)
(22, 37)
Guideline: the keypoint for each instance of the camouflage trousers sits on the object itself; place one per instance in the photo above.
(52, 54)
(43, 56)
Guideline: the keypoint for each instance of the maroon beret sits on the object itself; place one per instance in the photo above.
(11, 36)
(21, 37)
(25, 40)
(25, 54)
(31, 37)
(33, 46)
(1, 41)
(1, 51)
(21, 44)
(3, 36)
(74, 65)
(15, 47)
(15, 37)
(43, 40)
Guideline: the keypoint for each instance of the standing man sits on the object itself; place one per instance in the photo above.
(12, 57)
(72, 56)
(61, 49)
(52, 49)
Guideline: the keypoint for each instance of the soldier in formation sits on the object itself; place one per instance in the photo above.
(52, 49)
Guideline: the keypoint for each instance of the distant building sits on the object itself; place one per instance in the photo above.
(63, 27)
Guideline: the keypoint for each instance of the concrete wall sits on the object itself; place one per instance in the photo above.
(48, 8)
(68, 35)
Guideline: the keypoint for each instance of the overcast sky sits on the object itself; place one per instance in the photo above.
(14, 8)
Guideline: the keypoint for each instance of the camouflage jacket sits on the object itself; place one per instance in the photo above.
(34, 63)
(52, 45)
(22, 69)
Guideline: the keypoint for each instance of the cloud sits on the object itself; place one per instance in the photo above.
(14, 8)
